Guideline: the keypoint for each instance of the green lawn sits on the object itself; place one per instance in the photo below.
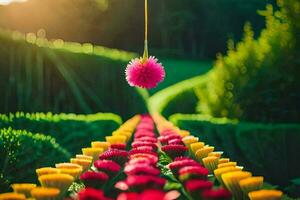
(179, 70)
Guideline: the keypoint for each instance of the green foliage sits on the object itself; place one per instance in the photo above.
(197, 28)
(258, 80)
(178, 98)
(22, 152)
(270, 150)
(71, 131)
(57, 76)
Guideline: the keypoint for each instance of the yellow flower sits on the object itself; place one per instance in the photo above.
(67, 166)
(23, 188)
(41, 193)
(203, 152)
(80, 156)
(117, 139)
(211, 163)
(228, 164)
(196, 146)
(70, 168)
(85, 164)
(218, 172)
(184, 133)
(93, 152)
(60, 181)
(232, 179)
(251, 184)
(127, 134)
(265, 195)
(103, 145)
(47, 170)
(224, 160)
(216, 153)
(12, 196)
(188, 140)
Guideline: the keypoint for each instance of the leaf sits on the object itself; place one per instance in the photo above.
(172, 186)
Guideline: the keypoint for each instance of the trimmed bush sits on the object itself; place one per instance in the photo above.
(22, 152)
(71, 131)
(258, 79)
(178, 98)
(271, 150)
(38, 75)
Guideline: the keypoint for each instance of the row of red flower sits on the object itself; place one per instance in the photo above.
(109, 171)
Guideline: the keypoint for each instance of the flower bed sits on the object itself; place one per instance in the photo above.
(174, 165)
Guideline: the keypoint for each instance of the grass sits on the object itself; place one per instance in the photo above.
(160, 101)
(179, 70)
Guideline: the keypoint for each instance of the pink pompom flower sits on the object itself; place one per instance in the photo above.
(145, 73)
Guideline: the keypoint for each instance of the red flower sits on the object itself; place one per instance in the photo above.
(165, 139)
(218, 194)
(119, 156)
(176, 141)
(141, 169)
(145, 126)
(151, 158)
(147, 148)
(94, 179)
(193, 172)
(141, 161)
(180, 158)
(118, 146)
(110, 167)
(141, 144)
(174, 150)
(91, 194)
(146, 139)
(128, 196)
(144, 150)
(177, 165)
(149, 195)
(139, 183)
(143, 133)
(168, 132)
(198, 185)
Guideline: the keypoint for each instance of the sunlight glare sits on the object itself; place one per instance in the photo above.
(6, 2)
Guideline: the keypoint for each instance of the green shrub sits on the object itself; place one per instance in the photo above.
(271, 150)
(258, 80)
(38, 75)
(22, 152)
(71, 131)
(178, 98)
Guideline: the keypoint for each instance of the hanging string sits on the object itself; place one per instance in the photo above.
(145, 56)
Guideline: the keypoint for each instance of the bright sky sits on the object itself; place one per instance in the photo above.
(5, 2)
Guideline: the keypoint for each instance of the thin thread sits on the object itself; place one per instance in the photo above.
(145, 56)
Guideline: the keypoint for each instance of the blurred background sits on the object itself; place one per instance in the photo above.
(233, 71)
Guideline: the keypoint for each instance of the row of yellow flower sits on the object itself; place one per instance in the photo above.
(55, 181)
(240, 183)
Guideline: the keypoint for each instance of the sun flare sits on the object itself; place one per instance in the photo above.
(6, 2)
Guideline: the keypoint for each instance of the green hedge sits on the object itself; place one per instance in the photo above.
(71, 131)
(178, 98)
(38, 75)
(271, 150)
(22, 152)
(258, 80)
